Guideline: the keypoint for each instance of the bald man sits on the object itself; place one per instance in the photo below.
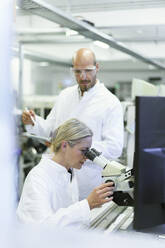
(90, 102)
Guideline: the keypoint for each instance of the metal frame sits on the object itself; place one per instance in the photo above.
(48, 11)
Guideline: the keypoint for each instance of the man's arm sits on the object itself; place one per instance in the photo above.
(40, 126)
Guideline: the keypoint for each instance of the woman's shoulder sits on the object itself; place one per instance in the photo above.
(39, 173)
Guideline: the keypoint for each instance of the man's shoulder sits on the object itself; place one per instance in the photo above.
(108, 94)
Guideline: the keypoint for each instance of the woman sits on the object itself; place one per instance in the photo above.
(50, 192)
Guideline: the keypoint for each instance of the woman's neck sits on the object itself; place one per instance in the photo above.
(58, 158)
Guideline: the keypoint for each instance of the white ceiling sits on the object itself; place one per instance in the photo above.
(140, 25)
(80, 6)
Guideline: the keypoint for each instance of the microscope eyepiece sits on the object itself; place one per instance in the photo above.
(90, 154)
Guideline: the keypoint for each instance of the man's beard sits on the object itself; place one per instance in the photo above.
(85, 85)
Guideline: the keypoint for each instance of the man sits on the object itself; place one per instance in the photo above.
(92, 103)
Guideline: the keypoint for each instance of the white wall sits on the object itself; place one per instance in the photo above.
(28, 87)
(51, 79)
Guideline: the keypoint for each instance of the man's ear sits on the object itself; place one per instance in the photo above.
(97, 67)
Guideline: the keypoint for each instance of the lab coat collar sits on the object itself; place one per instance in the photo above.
(53, 166)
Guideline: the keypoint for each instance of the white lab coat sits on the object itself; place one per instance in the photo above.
(100, 110)
(49, 196)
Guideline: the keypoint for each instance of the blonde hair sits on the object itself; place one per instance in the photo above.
(71, 131)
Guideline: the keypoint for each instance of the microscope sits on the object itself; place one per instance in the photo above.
(123, 180)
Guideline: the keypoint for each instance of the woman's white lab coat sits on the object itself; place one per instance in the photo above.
(50, 196)
(100, 110)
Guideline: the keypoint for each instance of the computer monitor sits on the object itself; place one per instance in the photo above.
(149, 163)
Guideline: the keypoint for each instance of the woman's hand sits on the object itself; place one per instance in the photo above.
(100, 195)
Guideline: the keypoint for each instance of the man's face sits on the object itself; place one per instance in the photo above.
(85, 74)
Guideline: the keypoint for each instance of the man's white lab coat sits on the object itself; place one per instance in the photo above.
(101, 111)
(50, 196)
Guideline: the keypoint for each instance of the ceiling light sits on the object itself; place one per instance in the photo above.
(70, 32)
(151, 67)
(101, 44)
(43, 64)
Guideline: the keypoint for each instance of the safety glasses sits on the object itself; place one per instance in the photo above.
(87, 71)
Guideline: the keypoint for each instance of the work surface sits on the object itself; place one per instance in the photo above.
(111, 218)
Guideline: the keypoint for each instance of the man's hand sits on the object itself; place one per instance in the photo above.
(27, 117)
(100, 195)
(48, 144)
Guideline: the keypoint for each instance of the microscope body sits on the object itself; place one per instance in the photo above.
(123, 180)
